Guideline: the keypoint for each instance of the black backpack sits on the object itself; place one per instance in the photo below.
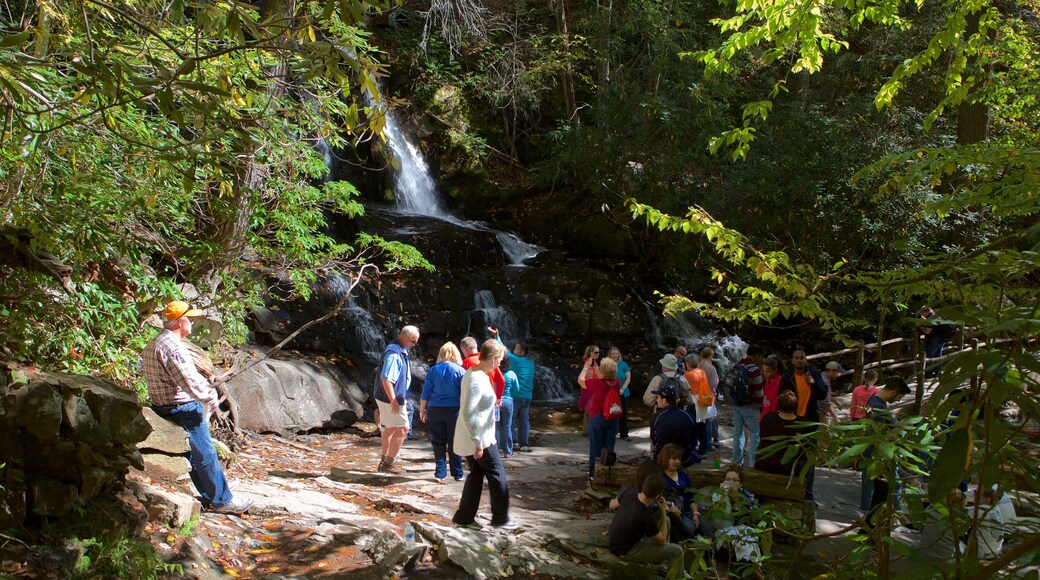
(674, 382)
(734, 386)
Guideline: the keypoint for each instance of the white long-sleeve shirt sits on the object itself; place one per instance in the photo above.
(475, 427)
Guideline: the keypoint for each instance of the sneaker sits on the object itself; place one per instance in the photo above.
(526, 449)
(469, 526)
(439, 480)
(235, 506)
(509, 455)
(507, 525)
(626, 438)
(460, 477)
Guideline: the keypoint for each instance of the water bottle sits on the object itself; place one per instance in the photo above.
(718, 461)
(409, 536)
(498, 413)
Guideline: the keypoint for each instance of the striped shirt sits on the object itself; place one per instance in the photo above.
(756, 382)
(171, 374)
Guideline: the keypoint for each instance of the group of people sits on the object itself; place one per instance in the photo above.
(476, 404)
(470, 401)
(656, 509)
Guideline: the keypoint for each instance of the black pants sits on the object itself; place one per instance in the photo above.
(623, 424)
(878, 500)
(489, 467)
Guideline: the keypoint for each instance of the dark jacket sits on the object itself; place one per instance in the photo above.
(817, 391)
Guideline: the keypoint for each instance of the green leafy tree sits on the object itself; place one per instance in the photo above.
(148, 144)
(983, 56)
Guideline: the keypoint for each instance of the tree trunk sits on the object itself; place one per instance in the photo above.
(972, 117)
(230, 216)
(570, 101)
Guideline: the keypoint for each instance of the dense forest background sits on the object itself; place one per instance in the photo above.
(822, 167)
(840, 163)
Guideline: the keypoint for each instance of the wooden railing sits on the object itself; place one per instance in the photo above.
(917, 358)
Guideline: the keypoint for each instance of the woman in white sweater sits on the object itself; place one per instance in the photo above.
(475, 439)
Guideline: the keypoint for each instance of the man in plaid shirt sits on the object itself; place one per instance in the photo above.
(177, 393)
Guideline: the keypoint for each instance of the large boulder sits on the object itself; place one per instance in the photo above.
(288, 396)
(166, 436)
(68, 438)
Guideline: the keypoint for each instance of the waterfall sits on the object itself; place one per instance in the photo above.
(326, 154)
(549, 387)
(728, 348)
(414, 187)
(366, 331)
(517, 250)
(495, 316)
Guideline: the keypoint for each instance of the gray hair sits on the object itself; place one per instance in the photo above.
(468, 344)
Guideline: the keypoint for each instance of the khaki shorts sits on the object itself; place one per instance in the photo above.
(388, 419)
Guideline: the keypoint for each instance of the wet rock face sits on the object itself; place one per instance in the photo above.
(556, 305)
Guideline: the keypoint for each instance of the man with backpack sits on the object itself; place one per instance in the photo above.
(742, 387)
(669, 375)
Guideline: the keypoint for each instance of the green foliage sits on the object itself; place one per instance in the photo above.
(116, 557)
(150, 144)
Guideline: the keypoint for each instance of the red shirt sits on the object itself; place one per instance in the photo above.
(770, 392)
(858, 405)
(498, 382)
(598, 394)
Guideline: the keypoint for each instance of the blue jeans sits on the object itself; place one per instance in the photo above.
(746, 416)
(522, 419)
(713, 428)
(602, 433)
(866, 491)
(441, 423)
(504, 427)
(206, 472)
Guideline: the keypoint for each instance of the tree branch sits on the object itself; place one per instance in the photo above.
(335, 310)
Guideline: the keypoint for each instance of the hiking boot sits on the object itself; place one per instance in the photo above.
(235, 506)
(389, 467)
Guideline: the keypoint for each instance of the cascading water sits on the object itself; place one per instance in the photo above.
(516, 249)
(494, 315)
(414, 187)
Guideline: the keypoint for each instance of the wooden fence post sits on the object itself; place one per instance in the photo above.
(921, 356)
(975, 372)
(857, 376)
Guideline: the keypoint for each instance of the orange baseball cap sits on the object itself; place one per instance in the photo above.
(177, 309)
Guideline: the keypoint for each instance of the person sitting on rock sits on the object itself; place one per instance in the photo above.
(637, 534)
(683, 511)
(180, 394)
(647, 468)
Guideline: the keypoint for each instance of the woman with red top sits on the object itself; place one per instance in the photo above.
(590, 361)
(602, 432)
(861, 394)
(771, 385)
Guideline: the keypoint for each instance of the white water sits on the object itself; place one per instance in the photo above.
(415, 190)
(517, 250)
